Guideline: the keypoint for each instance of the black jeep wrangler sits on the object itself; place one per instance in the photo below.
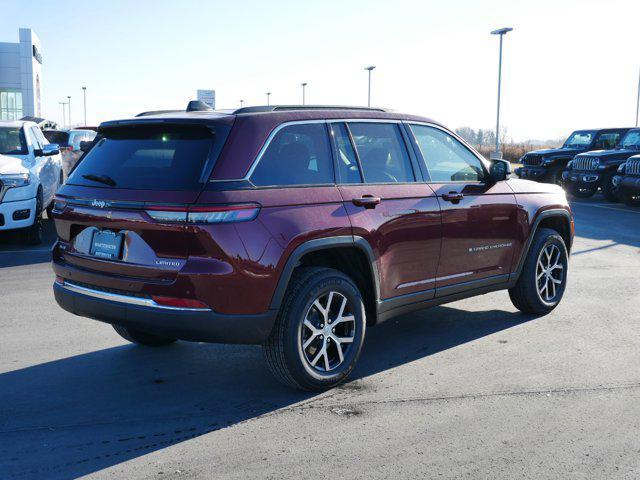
(592, 170)
(548, 165)
(627, 181)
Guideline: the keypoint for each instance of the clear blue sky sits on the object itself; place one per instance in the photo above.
(568, 64)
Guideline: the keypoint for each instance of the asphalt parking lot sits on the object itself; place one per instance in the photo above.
(468, 390)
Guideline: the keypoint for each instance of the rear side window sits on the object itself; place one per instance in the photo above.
(155, 157)
(297, 155)
(348, 170)
(60, 138)
(446, 159)
(607, 141)
(382, 153)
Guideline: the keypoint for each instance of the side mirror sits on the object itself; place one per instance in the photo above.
(500, 170)
(51, 149)
(85, 146)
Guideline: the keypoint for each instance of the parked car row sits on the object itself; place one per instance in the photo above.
(33, 166)
(591, 160)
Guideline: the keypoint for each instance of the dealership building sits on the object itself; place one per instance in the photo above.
(21, 77)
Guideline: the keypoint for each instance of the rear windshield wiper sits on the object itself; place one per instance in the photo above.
(100, 179)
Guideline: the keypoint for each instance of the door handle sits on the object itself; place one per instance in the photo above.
(453, 197)
(366, 201)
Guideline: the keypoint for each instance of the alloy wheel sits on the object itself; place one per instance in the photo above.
(328, 332)
(549, 273)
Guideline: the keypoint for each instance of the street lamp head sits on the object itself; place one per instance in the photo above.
(370, 67)
(84, 88)
(304, 84)
(501, 31)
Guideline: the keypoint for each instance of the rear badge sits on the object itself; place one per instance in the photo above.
(168, 263)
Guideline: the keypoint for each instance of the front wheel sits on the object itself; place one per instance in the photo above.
(543, 278)
(34, 234)
(319, 332)
(608, 188)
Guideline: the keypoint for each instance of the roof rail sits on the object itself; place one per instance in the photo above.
(279, 108)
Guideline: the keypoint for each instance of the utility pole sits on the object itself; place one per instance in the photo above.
(69, 98)
(64, 116)
(304, 85)
(268, 99)
(502, 32)
(638, 100)
(369, 68)
(84, 94)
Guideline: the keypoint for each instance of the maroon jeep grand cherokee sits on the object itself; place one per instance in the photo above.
(296, 228)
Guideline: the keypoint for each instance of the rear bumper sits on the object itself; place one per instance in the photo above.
(582, 179)
(200, 325)
(7, 209)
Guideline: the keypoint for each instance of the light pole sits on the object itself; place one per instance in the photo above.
(84, 94)
(369, 68)
(241, 103)
(304, 85)
(268, 99)
(502, 32)
(638, 100)
(69, 103)
(64, 116)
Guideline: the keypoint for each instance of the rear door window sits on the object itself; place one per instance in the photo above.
(298, 154)
(348, 169)
(382, 152)
(151, 157)
(59, 138)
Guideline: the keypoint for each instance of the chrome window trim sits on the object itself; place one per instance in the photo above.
(115, 297)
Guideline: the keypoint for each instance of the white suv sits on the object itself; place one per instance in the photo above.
(30, 175)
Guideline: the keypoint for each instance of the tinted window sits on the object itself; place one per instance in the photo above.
(446, 159)
(382, 152)
(348, 169)
(60, 138)
(151, 157)
(12, 141)
(37, 138)
(607, 141)
(297, 155)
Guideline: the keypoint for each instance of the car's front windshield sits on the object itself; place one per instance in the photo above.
(582, 138)
(12, 141)
(631, 140)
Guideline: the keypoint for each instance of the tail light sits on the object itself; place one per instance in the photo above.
(204, 214)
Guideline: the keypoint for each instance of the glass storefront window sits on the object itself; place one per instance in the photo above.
(10, 105)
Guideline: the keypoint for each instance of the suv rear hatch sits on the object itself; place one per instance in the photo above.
(123, 210)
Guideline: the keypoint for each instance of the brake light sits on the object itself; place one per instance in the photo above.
(179, 302)
(224, 214)
(207, 214)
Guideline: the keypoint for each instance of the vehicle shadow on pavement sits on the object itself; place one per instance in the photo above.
(14, 253)
(615, 222)
(85, 413)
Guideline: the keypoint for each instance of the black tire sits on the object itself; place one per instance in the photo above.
(580, 192)
(286, 356)
(629, 199)
(555, 176)
(526, 295)
(608, 189)
(142, 338)
(33, 235)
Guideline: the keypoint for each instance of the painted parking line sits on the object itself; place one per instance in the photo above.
(608, 207)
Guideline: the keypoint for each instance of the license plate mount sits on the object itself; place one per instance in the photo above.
(106, 244)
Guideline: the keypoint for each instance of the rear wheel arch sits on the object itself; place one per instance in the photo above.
(353, 256)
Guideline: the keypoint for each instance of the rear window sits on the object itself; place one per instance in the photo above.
(156, 157)
(60, 138)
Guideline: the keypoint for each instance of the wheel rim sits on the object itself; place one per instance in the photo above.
(328, 332)
(549, 273)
